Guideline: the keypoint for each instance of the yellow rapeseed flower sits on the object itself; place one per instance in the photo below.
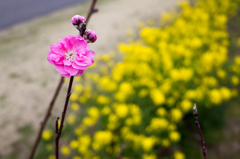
(74, 106)
(71, 119)
(134, 109)
(238, 41)
(166, 143)
(103, 137)
(137, 119)
(103, 100)
(108, 84)
(65, 150)
(221, 74)
(47, 134)
(143, 93)
(157, 97)
(84, 140)
(235, 80)
(73, 97)
(186, 105)
(51, 157)
(158, 124)
(174, 136)
(161, 112)
(225, 92)
(176, 114)
(179, 155)
(74, 144)
(93, 112)
(121, 110)
(88, 121)
(148, 143)
(215, 96)
(78, 88)
(106, 110)
(151, 156)
(49, 147)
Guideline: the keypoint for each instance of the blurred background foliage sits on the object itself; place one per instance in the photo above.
(141, 106)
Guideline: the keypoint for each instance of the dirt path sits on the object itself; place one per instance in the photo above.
(27, 80)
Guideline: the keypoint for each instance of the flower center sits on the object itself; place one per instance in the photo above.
(71, 55)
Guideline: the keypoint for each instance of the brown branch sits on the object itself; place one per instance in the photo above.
(92, 10)
(47, 115)
(195, 113)
(58, 135)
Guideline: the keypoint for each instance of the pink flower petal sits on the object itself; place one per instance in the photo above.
(71, 56)
(79, 43)
(63, 46)
(81, 63)
(49, 58)
(80, 72)
(76, 66)
(67, 62)
(60, 69)
(72, 71)
(56, 48)
(91, 53)
(68, 43)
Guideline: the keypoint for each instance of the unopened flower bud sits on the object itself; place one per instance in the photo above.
(95, 9)
(90, 36)
(77, 20)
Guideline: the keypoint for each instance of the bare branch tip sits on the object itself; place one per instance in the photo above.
(95, 9)
(194, 106)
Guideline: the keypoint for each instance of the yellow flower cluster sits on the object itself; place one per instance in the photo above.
(135, 106)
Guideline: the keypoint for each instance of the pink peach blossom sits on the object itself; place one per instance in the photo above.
(71, 56)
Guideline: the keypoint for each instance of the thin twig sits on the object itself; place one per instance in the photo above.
(195, 113)
(92, 10)
(47, 115)
(66, 103)
(63, 115)
(56, 136)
